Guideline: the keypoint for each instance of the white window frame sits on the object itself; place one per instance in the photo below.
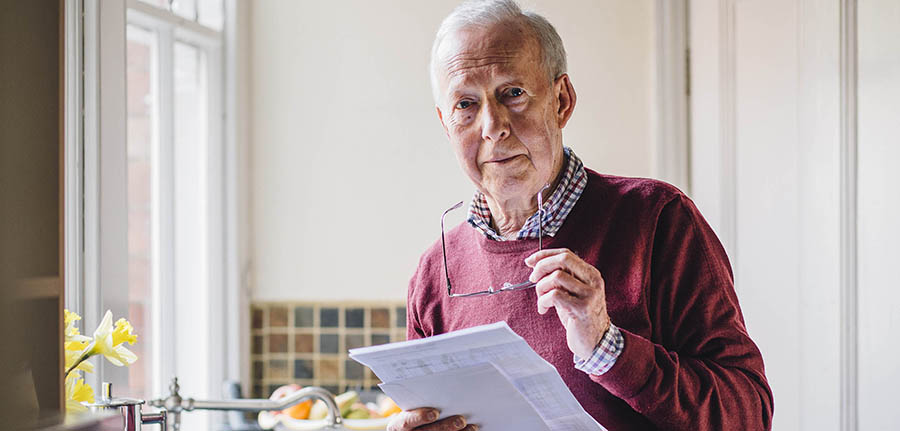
(170, 29)
(96, 190)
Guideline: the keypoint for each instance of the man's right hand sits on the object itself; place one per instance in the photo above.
(425, 419)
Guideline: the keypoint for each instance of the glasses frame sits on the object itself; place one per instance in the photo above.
(507, 287)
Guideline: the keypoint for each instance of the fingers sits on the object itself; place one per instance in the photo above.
(538, 255)
(452, 423)
(545, 262)
(560, 279)
(425, 419)
(553, 297)
(408, 420)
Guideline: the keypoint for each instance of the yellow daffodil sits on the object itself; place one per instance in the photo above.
(108, 341)
(75, 343)
(76, 393)
(72, 333)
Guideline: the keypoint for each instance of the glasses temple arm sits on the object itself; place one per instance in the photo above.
(540, 199)
(444, 245)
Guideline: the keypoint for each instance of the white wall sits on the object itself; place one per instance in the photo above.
(344, 133)
(879, 212)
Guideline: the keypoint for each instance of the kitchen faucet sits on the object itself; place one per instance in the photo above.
(174, 404)
(129, 408)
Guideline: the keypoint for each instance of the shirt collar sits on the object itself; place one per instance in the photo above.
(556, 208)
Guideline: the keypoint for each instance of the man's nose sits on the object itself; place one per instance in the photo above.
(495, 122)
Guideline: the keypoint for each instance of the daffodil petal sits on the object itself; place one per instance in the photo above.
(85, 366)
(76, 393)
(105, 327)
(114, 360)
(70, 317)
(71, 357)
(123, 332)
(76, 345)
(110, 353)
(83, 392)
(127, 355)
(78, 338)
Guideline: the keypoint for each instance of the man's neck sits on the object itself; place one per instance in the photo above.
(508, 219)
(508, 216)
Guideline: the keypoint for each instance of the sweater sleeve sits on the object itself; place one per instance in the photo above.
(701, 370)
(414, 329)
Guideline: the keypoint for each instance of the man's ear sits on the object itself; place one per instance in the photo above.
(565, 94)
(441, 118)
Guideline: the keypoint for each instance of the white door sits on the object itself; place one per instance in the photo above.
(879, 213)
(804, 203)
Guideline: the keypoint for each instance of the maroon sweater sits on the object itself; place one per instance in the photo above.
(688, 361)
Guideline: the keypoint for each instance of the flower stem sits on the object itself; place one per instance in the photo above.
(85, 354)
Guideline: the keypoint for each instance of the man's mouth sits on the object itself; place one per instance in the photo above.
(504, 159)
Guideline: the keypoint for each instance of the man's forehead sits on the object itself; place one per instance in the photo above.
(471, 53)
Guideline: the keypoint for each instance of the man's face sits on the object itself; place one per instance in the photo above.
(500, 111)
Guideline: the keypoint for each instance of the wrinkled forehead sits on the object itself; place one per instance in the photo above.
(474, 52)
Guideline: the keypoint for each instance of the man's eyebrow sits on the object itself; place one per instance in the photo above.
(458, 94)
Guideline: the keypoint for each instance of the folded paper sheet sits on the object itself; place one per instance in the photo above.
(486, 373)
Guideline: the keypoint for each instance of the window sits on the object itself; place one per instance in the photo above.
(174, 82)
(154, 190)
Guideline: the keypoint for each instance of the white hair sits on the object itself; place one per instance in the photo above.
(485, 13)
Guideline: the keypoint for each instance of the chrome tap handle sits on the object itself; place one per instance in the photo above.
(155, 418)
(172, 406)
(255, 405)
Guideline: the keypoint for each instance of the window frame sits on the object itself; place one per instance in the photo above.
(97, 249)
(171, 29)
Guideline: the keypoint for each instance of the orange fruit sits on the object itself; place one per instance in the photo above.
(300, 410)
(388, 407)
(296, 411)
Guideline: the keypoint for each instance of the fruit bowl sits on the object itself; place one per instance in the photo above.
(281, 421)
(309, 415)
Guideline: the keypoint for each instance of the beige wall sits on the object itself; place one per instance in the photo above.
(343, 133)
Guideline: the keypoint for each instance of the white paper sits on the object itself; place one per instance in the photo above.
(480, 393)
(440, 361)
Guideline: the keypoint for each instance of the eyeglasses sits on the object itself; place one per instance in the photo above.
(507, 287)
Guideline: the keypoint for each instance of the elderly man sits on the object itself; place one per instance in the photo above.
(632, 300)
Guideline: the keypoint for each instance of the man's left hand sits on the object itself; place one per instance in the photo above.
(577, 291)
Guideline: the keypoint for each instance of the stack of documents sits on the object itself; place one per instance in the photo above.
(487, 373)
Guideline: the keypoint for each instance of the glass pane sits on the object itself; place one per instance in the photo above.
(142, 122)
(190, 99)
(191, 275)
(211, 13)
(186, 9)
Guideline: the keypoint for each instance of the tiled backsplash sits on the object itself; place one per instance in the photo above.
(307, 343)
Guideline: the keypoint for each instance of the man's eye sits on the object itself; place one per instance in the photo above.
(463, 104)
(515, 92)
